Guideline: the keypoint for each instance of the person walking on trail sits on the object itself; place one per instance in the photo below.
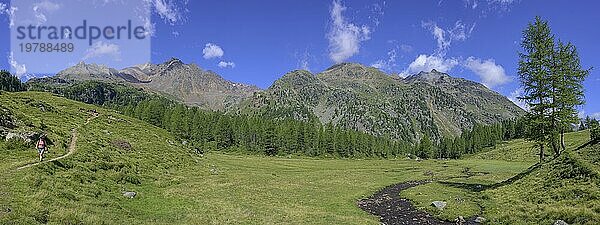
(41, 147)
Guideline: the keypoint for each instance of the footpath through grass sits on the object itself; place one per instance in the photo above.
(174, 185)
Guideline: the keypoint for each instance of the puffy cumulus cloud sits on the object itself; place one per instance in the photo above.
(490, 73)
(344, 37)
(514, 97)
(101, 49)
(224, 64)
(212, 51)
(428, 63)
(41, 9)
(19, 69)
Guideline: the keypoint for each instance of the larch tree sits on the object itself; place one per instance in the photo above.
(552, 79)
(534, 69)
(567, 80)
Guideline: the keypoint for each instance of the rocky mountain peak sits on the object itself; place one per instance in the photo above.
(432, 76)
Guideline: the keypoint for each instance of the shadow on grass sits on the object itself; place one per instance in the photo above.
(483, 187)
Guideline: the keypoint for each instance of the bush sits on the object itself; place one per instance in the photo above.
(594, 130)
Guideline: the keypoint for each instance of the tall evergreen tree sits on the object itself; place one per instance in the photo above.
(9, 82)
(594, 130)
(535, 65)
(567, 80)
(425, 148)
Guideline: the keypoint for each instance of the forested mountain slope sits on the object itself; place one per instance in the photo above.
(363, 98)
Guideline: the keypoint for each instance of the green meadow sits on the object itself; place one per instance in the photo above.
(176, 185)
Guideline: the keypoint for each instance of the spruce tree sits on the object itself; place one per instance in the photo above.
(425, 148)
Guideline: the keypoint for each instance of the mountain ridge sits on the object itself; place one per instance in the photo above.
(186, 82)
(349, 95)
(364, 98)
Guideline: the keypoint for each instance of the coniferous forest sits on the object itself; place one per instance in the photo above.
(216, 131)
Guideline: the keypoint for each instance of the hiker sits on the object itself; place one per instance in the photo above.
(41, 147)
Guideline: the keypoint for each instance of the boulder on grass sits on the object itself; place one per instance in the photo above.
(439, 204)
(129, 194)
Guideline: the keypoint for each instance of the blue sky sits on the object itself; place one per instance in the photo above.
(257, 42)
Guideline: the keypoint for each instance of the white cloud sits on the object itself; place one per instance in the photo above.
(377, 11)
(406, 48)
(387, 64)
(100, 49)
(212, 51)
(344, 37)
(168, 10)
(224, 64)
(491, 74)
(486, 7)
(42, 8)
(444, 37)
(595, 115)
(19, 69)
(514, 98)
(428, 63)
(303, 60)
(460, 31)
(4, 9)
(471, 4)
(503, 2)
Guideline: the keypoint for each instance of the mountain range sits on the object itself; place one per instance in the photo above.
(187, 83)
(347, 95)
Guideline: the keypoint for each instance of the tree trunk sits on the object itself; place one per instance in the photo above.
(541, 153)
(554, 145)
(562, 141)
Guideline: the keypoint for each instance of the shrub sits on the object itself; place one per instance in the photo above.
(594, 130)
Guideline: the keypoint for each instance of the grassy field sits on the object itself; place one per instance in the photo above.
(175, 185)
(564, 188)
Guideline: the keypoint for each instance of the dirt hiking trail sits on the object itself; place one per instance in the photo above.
(71, 149)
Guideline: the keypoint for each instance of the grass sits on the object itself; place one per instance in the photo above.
(564, 188)
(177, 186)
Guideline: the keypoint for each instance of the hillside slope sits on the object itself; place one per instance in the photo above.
(114, 154)
(364, 98)
(565, 188)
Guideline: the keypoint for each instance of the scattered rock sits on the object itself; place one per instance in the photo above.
(428, 173)
(560, 222)
(122, 144)
(480, 219)
(27, 137)
(460, 220)
(213, 170)
(439, 204)
(199, 151)
(129, 194)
